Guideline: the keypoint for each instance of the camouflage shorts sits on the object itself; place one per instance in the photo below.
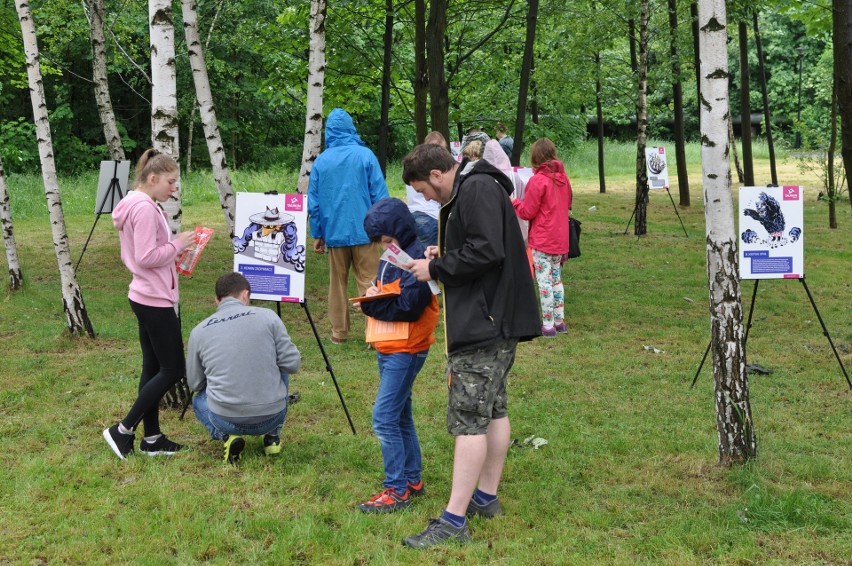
(476, 380)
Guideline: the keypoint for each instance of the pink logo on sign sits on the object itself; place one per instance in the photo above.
(662, 150)
(791, 193)
(294, 202)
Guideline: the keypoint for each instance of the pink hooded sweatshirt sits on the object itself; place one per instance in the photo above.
(547, 200)
(147, 250)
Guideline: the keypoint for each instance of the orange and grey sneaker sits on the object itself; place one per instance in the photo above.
(416, 489)
(386, 501)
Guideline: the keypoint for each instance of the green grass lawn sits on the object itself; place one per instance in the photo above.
(629, 474)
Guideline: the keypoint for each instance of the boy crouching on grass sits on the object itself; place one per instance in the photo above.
(389, 222)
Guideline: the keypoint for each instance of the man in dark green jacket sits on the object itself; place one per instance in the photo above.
(489, 305)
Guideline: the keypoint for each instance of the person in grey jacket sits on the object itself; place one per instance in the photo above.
(239, 361)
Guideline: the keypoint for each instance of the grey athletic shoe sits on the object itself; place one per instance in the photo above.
(437, 532)
(493, 509)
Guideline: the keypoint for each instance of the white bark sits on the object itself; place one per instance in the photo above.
(733, 410)
(316, 80)
(208, 113)
(72, 299)
(99, 75)
(164, 116)
(15, 277)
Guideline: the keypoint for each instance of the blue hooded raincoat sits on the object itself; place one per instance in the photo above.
(346, 180)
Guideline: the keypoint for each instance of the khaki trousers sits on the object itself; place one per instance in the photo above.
(364, 260)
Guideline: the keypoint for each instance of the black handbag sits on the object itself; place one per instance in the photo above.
(574, 237)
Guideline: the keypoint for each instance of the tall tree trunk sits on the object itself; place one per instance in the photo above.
(696, 54)
(208, 113)
(421, 78)
(76, 315)
(640, 225)
(386, 85)
(436, 29)
(99, 76)
(831, 188)
(677, 93)
(842, 42)
(732, 140)
(599, 109)
(736, 436)
(764, 90)
(316, 81)
(745, 106)
(164, 115)
(526, 72)
(15, 276)
(190, 130)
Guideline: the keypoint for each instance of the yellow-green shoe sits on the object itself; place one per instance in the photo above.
(271, 444)
(234, 446)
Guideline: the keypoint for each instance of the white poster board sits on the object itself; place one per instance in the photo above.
(771, 242)
(269, 244)
(658, 168)
(112, 185)
(455, 149)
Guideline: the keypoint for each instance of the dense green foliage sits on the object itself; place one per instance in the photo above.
(629, 474)
(257, 59)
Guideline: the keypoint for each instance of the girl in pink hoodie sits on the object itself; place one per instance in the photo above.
(149, 253)
(546, 204)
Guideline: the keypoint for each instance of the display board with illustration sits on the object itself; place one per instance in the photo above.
(771, 243)
(269, 244)
(658, 168)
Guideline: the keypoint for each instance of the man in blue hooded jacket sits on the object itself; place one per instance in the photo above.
(346, 180)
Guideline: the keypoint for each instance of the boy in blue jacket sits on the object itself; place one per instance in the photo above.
(389, 222)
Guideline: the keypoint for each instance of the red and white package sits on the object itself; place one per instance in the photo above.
(189, 256)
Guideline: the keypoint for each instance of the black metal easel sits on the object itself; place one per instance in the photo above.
(748, 327)
(113, 189)
(626, 228)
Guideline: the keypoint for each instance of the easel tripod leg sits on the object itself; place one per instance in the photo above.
(825, 332)
(676, 212)
(701, 365)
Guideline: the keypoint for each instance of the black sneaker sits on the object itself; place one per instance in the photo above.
(417, 488)
(271, 444)
(121, 444)
(234, 446)
(493, 509)
(160, 447)
(439, 531)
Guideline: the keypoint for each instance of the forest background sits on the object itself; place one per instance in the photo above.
(257, 51)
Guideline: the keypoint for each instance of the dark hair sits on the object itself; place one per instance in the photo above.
(501, 127)
(436, 138)
(542, 151)
(231, 285)
(153, 162)
(421, 160)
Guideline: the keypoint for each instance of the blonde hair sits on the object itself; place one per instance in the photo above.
(473, 150)
(153, 162)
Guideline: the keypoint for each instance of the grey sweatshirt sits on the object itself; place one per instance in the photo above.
(239, 354)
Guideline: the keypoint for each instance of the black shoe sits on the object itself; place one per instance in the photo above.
(271, 444)
(121, 444)
(234, 446)
(439, 531)
(160, 447)
(493, 509)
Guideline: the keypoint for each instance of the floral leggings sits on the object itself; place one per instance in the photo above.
(548, 275)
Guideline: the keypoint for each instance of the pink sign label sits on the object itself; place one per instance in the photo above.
(662, 150)
(294, 202)
(791, 193)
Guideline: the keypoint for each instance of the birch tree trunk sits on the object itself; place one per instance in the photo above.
(72, 299)
(316, 82)
(99, 75)
(15, 277)
(640, 225)
(208, 113)
(737, 441)
(164, 116)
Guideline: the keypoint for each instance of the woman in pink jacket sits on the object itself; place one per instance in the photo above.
(149, 253)
(546, 204)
